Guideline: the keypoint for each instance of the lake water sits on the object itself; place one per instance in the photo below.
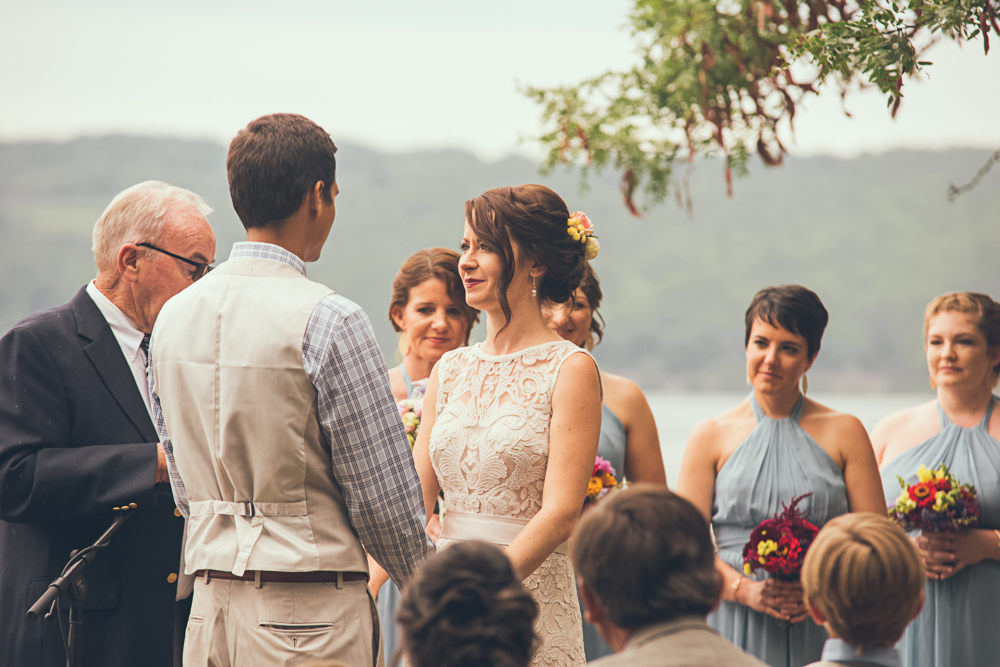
(677, 414)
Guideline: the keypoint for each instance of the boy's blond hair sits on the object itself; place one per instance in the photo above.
(865, 577)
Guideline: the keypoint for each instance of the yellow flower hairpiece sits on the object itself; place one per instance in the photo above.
(581, 229)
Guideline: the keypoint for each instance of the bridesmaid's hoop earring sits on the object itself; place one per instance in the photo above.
(534, 292)
(933, 383)
(805, 384)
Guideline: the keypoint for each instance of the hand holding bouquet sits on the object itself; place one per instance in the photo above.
(779, 544)
(602, 480)
(936, 503)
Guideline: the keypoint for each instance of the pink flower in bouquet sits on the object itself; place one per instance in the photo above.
(602, 480)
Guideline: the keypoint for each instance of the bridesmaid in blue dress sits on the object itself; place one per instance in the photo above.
(740, 467)
(629, 441)
(429, 312)
(962, 430)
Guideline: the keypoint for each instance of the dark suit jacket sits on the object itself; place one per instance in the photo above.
(75, 441)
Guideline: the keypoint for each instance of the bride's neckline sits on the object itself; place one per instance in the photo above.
(513, 355)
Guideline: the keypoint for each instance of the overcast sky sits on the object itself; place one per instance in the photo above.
(397, 75)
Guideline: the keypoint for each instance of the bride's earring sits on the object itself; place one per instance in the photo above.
(933, 383)
(805, 385)
(534, 292)
(748, 380)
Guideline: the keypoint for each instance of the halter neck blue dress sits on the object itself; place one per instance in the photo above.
(958, 624)
(776, 462)
(612, 446)
(389, 597)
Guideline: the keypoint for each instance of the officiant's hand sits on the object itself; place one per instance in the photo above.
(946, 554)
(161, 465)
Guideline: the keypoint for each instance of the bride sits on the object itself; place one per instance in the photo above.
(516, 420)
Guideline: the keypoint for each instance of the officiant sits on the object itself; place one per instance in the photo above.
(77, 439)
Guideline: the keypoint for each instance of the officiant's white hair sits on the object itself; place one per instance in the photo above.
(137, 215)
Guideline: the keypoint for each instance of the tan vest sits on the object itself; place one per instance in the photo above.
(242, 417)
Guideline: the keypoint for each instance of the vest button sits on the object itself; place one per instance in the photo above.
(172, 578)
(177, 512)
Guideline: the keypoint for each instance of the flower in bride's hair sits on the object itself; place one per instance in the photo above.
(582, 220)
(581, 229)
(593, 248)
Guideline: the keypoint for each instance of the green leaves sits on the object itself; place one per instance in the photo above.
(716, 76)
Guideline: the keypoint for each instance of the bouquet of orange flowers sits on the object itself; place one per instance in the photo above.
(937, 503)
(602, 480)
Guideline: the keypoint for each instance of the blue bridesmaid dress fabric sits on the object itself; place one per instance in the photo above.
(389, 597)
(958, 625)
(611, 448)
(776, 462)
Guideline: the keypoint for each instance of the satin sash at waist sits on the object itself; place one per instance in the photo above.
(499, 530)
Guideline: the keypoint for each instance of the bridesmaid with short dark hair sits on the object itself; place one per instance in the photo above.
(740, 466)
(960, 429)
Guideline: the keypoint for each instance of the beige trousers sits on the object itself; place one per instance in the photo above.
(235, 624)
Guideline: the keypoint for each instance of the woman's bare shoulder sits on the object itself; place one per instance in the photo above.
(902, 430)
(621, 394)
(720, 429)
(838, 424)
(906, 417)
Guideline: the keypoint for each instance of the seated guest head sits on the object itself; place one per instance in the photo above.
(643, 557)
(283, 181)
(466, 608)
(784, 327)
(863, 580)
(973, 320)
(151, 242)
(428, 305)
(517, 252)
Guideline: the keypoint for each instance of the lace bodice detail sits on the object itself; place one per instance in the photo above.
(490, 442)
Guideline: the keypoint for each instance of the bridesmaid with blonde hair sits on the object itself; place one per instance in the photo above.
(961, 429)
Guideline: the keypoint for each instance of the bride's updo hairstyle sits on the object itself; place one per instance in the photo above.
(984, 310)
(535, 219)
(466, 608)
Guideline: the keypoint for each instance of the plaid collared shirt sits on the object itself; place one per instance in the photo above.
(368, 447)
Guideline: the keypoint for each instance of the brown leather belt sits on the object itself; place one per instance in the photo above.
(320, 577)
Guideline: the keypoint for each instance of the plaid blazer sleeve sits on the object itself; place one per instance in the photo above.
(371, 455)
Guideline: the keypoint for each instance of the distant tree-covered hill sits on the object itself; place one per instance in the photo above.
(874, 236)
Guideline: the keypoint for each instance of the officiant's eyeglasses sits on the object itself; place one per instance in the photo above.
(200, 268)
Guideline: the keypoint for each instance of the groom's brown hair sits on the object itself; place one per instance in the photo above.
(273, 162)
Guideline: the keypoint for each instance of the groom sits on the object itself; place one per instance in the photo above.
(283, 430)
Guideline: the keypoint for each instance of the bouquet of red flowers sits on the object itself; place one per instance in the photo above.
(937, 503)
(779, 544)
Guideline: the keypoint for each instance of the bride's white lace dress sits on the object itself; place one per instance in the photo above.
(489, 448)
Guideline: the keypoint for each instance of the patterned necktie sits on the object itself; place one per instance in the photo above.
(145, 350)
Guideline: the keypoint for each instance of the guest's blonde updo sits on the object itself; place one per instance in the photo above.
(985, 310)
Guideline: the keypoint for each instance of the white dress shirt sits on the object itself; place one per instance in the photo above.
(129, 337)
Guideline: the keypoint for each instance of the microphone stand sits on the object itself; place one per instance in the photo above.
(72, 580)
